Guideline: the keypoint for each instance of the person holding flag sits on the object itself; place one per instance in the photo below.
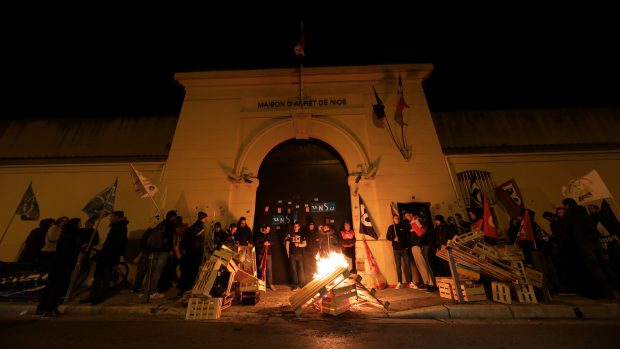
(98, 207)
(418, 238)
(264, 241)
(398, 234)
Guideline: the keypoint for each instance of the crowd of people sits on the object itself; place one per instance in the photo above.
(574, 256)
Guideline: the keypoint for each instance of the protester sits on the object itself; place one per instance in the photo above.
(108, 258)
(347, 244)
(398, 234)
(264, 243)
(35, 242)
(192, 253)
(295, 245)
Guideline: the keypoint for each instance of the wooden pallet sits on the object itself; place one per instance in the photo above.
(224, 253)
(339, 299)
(525, 294)
(252, 284)
(471, 291)
(534, 277)
(366, 296)
(316, 289)
(520, 270)
(488, 266)
(201, 308)
(469, 238)
(501, 292)
(510, 253)
(485, 250)
(467, 273)
(445, 289)
(206, 277)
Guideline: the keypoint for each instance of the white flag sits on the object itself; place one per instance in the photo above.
(587, 188)
(141, 184)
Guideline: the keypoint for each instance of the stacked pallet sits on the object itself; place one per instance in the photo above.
(471, 290)
(211, 291)
(503, 265)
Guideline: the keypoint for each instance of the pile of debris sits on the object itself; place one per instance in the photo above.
(335, 293)
(502, 265)
(227, 276)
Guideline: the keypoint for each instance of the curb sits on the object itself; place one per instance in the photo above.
(446, 311)
(19, 310)
(511, 312)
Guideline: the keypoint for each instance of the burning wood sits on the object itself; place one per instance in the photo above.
(333, 290)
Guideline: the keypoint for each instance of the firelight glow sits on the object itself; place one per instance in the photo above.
(327, 265)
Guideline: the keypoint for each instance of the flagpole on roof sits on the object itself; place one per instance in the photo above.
(12, 218)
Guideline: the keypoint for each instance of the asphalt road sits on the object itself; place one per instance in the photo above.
(84, 332)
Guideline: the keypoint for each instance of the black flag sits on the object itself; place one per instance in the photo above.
(378, 110)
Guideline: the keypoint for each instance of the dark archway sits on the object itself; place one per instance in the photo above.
(296, 177)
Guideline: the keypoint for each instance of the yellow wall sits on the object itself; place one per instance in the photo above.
(63, 190)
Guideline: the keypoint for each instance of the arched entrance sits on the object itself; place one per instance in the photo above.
(303, 180)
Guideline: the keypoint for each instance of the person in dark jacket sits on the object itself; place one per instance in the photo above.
(192, 253)
(398, 234)
(311, 251)
(579, 228)
(219, 235)
(296, 245)
(35, 242)
(244, 233)
(443, 233)
(264, 242)
(109, 257)
(67, 251)
(162, 254)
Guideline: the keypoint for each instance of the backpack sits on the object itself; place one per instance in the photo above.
(155, 240)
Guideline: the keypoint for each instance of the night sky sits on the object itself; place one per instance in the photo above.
(122, 63)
